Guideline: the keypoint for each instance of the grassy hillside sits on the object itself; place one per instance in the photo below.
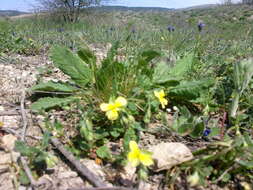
(11, 13)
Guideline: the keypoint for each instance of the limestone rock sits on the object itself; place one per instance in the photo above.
(8, 142)
(167, 155)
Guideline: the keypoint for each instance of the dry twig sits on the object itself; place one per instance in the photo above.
(23, 114)
(9, 113)
(83, 170)
(27, 170)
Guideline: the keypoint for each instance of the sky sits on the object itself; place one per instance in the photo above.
(25, 5)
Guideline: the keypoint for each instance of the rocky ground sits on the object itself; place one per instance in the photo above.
(17, 76)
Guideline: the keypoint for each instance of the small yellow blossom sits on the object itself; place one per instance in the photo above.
(246, 186)
(113, 108)
(160, 95)
(193, 179)
(137, 156)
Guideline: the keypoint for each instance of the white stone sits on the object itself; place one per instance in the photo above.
(167, 155)
(8, 142)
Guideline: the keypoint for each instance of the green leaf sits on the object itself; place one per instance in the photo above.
(87, 56)
(23, 179)
(214, 132)
(162, 74)
(182, 66)
(104, 152)
(129, 135)
(53, 87)
(45, 140)
(198, 130)
(25, 150)
(247, 164)
(47, 103)
(190, 90)
(71, 65)
(185, 129)
(150, 55)
(86, 130)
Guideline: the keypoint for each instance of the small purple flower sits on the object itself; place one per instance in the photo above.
(60, 30)
(206, 132)
(171, 28)
(201, 26)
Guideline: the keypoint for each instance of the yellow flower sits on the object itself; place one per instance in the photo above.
(113, 108)
(160, 95)
(193, 179)
(137, 156)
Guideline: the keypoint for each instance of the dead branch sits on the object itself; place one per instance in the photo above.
(15, 133)
(83, 170)
(27, 170)
(9, 113)
(23, 114)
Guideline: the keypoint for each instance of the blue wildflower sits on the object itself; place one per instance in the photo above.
(201, 26)
(60, 30)
(206, 132)
(171, 28)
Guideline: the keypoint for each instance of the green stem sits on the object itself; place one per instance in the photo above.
(235, 104)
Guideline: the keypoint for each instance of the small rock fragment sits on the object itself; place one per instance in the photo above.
(8, 142)
(167, 155)
(95, 168)
(8, 158)
(128, 175)
(145, 186)
(68, 174)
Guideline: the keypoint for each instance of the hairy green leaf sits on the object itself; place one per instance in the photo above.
(46, 103)
(162, 74)
(71, 65)
(87, 56)
(53, 87)
(104, 152)
(198, 130)
(190, 90)
(25, 150)
(150, 55)
(182, 66)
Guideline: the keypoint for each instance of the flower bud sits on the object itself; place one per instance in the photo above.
(193, 179)
(51, 160)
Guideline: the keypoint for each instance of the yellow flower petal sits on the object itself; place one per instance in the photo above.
(156, 94)
(133, 159)
(121, 102)
(133, 155)
(104, 107)
(112, 114)
(133, 146)
(160, 95)
(164, 102)
(112, 108)
(146, 159)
